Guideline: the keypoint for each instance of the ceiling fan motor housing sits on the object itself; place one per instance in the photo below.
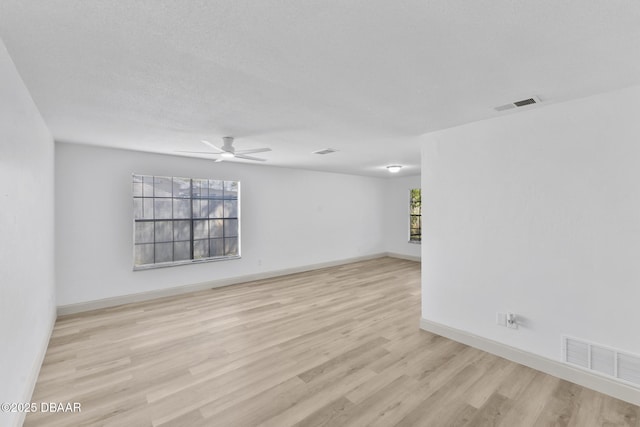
(228, 144)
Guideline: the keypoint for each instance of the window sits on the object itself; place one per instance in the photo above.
(415, 216)
(183, 220)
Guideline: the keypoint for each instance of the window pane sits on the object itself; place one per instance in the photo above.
(147, 186)
(415, 211)
(415, 221)
(143, 208)
(231, 189)
(164, 231)
(230, 228)
(181, 251)
(200, 229)
(230, 208)
(162, 208)
(162, 186)
(215, 228)
(144, 254)
(200, 208)
(216, 209)
(182, 230)
(147, 208)
(137, 208)
(231, 247)
(181, 208)
(200, 249)
(164, 252)
(215, 189)
(200, 187)
(181, 187)
(137, 188)
(144, 232)
(217, 247)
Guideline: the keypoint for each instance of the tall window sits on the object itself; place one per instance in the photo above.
(415, 216)
(183, 220)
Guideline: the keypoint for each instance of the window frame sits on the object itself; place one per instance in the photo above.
(192, 218)
(413, 240)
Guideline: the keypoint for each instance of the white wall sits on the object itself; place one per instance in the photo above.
(397, 216)
(290, 218)
(539, 213)
(27, 304)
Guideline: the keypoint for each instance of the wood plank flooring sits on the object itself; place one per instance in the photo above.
(333, 347)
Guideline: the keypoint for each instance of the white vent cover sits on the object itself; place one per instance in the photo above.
(576, 353)
(505, 107)
(516, 104)
(325, 151)
(629, 368)
(604, 360)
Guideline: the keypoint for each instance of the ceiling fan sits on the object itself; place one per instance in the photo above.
(228, 151)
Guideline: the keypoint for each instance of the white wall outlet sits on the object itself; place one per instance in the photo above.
(512, 321)
(501, 319)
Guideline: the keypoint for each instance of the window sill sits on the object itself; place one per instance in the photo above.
(186, 262)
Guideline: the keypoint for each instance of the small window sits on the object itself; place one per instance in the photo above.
(415, 216)
(184, 220)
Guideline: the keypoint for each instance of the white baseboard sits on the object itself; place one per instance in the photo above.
(552, 367)
(35, 371)
(403, 256)
(159, 293)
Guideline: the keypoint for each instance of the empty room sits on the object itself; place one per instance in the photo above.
(318, 213)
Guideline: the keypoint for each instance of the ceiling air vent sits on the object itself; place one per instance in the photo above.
(325, 151)
(524, 102)
(516, 104)
(604, 360)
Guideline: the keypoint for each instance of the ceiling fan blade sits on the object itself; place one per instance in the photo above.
(197, 152)
(218, 160)
(213, 147)
(251, 151)
(242, 156)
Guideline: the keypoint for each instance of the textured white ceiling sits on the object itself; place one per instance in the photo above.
(366, 77)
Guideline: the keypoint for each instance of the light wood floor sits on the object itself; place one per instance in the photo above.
(338, 346)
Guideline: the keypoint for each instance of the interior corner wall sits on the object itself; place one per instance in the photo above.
(537, 213)
(289, 218)
(27, 294)
(397, 216)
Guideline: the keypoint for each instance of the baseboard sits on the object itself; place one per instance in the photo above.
(35, 371)
(145, 296)
(540, 363)
(403, 256)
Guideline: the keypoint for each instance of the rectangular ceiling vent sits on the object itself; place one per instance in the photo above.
(522, 103)
(611, 362)
(325, 151)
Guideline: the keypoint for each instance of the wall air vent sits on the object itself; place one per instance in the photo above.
(622, 366)
(516, 104)
(325, 151)
(576, 353)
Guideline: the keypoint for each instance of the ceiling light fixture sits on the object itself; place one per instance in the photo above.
(394, 168)
(227, 155)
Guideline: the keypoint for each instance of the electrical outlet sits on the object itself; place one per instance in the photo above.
(501, 319)
(512, 321)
